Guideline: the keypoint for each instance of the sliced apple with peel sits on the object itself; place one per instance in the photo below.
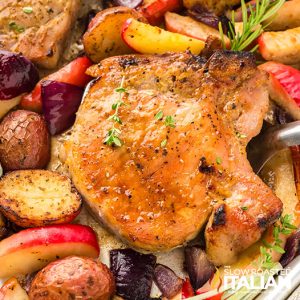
(147, 39)
(31, 249)
(12, 290)
(190, 27)
(284, 86)
(7, 105)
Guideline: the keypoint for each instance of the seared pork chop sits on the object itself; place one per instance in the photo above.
(37, 28)
(156, 195)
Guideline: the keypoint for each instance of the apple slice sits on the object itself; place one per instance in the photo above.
(284, 86)
(31, 249)
(12, 290)
(190, 27)
(154, 10)
(281, 46)
(147, 39)
(7, 105)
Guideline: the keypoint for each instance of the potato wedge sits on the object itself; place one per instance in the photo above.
(281, 46)
(103, 37)
(287, 17)
(147, 39)
(32, 198)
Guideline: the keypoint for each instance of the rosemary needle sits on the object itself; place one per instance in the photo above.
(252, 23)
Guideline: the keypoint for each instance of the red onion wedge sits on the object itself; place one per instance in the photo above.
(133, 273)
(199, 268)
(291, 248)
(167, 281)
(60, 103)
(18, 75)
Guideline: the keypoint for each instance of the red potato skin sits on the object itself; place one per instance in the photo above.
(73, 277)
(154, 11)
(73, 73)
(24, 141)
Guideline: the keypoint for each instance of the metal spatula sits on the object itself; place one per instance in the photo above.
(274, 139)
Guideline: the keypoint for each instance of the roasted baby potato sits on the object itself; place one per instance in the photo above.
(73, 278)
(103, 37)
(32, 198)
(24, 141)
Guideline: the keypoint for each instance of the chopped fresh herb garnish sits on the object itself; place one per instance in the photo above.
(27, 9)
(164, 143)
(240, 135)
(244, 208)
(15, 27)
(218, 160)
(159, 115)
(113, 135)
(284, 227)
(170, 121)
(253, 16)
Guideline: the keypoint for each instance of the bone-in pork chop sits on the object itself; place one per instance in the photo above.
(37, 28)
(164, 184)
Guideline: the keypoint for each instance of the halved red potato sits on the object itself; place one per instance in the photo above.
(284, 86)
(103, 37)
(147, 39)
(31, 249)
(281, 46)
(12, 290)
(31, 198)
(154, 10)
(80, 276)
(190, 27)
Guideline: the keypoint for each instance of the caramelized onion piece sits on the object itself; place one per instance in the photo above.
(199, 268)
(167, 281)
(133, 273)
(291, 248)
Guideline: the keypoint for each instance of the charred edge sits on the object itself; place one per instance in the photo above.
(219, 216)
(264, 222)
(125, 62)
(204, 167)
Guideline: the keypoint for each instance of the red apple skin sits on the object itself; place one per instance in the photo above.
(125, 26)
(155, 10)
(284, 86)
(31, 249)
(288, 77)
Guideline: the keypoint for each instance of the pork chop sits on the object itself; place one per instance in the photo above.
(37, 28)
(164, 184)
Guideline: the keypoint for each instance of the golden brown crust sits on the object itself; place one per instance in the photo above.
(31, 198)
(157, 198)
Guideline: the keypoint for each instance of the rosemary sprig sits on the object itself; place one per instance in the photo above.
(284, 227)
(252, 23)
(112, 137)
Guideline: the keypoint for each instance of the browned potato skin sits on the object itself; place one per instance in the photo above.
(217, 6)
(24, 141)
(73, 276)
(103, 37)
(33, 206)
